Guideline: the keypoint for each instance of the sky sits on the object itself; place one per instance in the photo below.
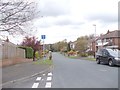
(70, 19)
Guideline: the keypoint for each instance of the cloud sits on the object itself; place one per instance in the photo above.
(104, 18)
(54, 7)
(66, 20)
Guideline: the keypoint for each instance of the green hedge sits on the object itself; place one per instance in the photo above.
(28, 52)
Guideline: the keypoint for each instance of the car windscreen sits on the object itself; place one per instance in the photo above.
(114, 52)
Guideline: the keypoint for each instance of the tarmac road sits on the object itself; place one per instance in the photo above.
(72, 73)
(76, 73)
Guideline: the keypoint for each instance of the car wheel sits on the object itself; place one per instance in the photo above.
(98, 61)
(111, 63)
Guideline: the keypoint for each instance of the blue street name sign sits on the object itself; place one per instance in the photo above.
(43, 36)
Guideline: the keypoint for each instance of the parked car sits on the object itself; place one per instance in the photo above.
(108, 56)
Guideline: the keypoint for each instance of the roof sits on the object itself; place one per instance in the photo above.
(112, 34)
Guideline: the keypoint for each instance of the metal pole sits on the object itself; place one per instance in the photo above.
(95, 37)
(43, 48)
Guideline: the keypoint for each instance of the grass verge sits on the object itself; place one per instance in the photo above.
(73, 57)
(44, 62)
(91, 59)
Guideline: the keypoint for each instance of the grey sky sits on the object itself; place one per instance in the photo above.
(69, 19)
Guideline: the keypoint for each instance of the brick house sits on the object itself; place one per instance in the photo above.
(111, 38)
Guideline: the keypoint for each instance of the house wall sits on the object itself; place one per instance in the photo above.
(117, 42)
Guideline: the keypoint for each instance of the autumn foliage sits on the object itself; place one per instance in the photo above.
(33, 43)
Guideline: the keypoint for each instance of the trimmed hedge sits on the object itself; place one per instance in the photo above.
(28, 51)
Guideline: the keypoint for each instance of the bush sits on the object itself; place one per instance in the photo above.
(46, 51)
(28, 52)
(84, 55)
(90, 53)
(72, 53)
(37, 55)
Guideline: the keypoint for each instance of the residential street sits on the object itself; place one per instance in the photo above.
(75, 73)
(59, 44)
(72, 73)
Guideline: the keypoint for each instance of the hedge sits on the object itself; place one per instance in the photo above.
(28, 51)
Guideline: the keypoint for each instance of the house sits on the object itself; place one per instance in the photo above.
(72, 45)
(111, 39)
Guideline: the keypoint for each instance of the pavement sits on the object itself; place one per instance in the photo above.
(18, 72)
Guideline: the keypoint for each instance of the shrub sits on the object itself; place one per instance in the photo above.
(83, 54)
(28, 51)
(46, 51)
(71, 52)
(90, 53)
(37, 55)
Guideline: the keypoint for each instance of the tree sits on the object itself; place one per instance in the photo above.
(15, 14)
(61, 45)
(81, 44)
(33, 43)
(55, 47)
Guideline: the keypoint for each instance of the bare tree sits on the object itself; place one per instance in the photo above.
(15, 14)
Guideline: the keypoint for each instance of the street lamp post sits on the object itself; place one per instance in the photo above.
(95, 37)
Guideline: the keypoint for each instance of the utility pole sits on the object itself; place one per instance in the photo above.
(95, 37)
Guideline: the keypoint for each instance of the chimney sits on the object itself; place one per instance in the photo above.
(108, 31)
(7, 40)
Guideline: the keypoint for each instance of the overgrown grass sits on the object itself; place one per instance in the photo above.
(92, 59)
(44, 62)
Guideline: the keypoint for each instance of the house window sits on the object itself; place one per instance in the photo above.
(98, 41)
(105, 40)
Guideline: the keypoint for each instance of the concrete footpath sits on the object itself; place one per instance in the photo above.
(12, 74)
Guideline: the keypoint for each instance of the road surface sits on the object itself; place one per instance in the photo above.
(75, 73)
(72, 73)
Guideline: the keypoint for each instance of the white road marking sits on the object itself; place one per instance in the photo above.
(49, 74)
(48, 85)
(49, 78)
(43, 74)
(35, 85)
(38, 79)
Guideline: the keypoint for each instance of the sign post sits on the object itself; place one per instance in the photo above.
(43, 37)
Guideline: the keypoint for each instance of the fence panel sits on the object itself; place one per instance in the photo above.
(10, 51)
